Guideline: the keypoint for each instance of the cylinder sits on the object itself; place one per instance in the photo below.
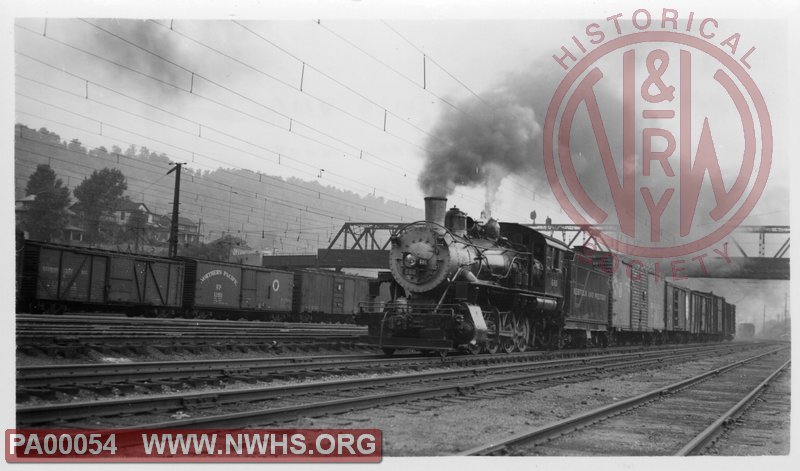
(435, 207)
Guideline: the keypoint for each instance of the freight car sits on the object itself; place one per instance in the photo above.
(676, 312)
(711, 317)
(463, 285)
(231, 291)
(635, 300)
(323, 295)
(57, 278)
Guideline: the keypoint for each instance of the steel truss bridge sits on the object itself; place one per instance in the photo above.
(365, 245)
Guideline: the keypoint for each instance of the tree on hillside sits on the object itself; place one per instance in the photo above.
(100, 153)
(130, 151)
(49, 137)
(46, 216)
(98, 196)
(76, 146)
(219, 250)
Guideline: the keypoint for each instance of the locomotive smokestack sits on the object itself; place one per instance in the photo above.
(435, 208)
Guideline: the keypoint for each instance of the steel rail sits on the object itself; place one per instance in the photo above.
(93, 373)
(561, 427)
(707, 436)
(71, 411)
(123, 320)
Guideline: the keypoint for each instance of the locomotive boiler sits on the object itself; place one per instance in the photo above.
(469, 285)
(484, 286)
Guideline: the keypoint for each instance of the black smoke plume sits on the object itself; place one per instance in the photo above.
(484, 140)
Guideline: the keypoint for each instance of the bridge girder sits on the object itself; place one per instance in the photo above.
(365, 245)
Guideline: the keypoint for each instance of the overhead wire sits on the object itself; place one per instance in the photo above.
(152, 77)
(168, 144)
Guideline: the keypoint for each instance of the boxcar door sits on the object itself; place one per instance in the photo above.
(338, 295)
(349, 296)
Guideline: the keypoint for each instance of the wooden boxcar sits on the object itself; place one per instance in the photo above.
(656, 297)
(219, 289)
(586, 304)
(707, 316)
(328, 295)
(631, 317)
(729, 321)
(700, 307)
(58, 278)
(676, 311)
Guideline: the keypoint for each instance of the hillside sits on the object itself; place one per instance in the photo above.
(270, 213)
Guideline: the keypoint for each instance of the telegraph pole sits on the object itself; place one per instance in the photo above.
(173, 229)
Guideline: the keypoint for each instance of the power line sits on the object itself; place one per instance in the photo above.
(175, 86)
(428, 57)
(338, 82)
(181, 117)
(272, 199)
(282, 82)
(352, 44)
(308, 192)
(166, 143)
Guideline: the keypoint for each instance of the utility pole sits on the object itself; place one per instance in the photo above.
(173, 229)
(764, 322)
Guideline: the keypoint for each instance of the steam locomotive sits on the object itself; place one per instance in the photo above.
(459, 284)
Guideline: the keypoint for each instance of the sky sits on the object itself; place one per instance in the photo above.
(355, 94)
(353, 103)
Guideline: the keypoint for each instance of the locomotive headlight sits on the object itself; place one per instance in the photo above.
(410, 260)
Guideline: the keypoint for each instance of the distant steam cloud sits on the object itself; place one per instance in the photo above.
(133, 39)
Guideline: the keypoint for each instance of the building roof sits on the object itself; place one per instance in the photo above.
(166, 221)
(127, 205)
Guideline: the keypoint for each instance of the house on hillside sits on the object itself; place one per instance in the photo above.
(124, 209)
(72, 232)
(188, 230)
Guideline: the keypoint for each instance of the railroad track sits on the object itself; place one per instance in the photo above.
(46, 380)
(260, 405)
(111, 327)
(72, 335)
(682, 418)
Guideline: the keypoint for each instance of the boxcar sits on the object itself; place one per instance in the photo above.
(586, 304)
(324, 295)
(729, 321)
(219, 289)
(57, 278)
(676, 311)
(656, 297)
(630, 302)
(630, 316)
(702, 311)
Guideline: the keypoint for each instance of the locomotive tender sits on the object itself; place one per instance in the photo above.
(458, 284)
